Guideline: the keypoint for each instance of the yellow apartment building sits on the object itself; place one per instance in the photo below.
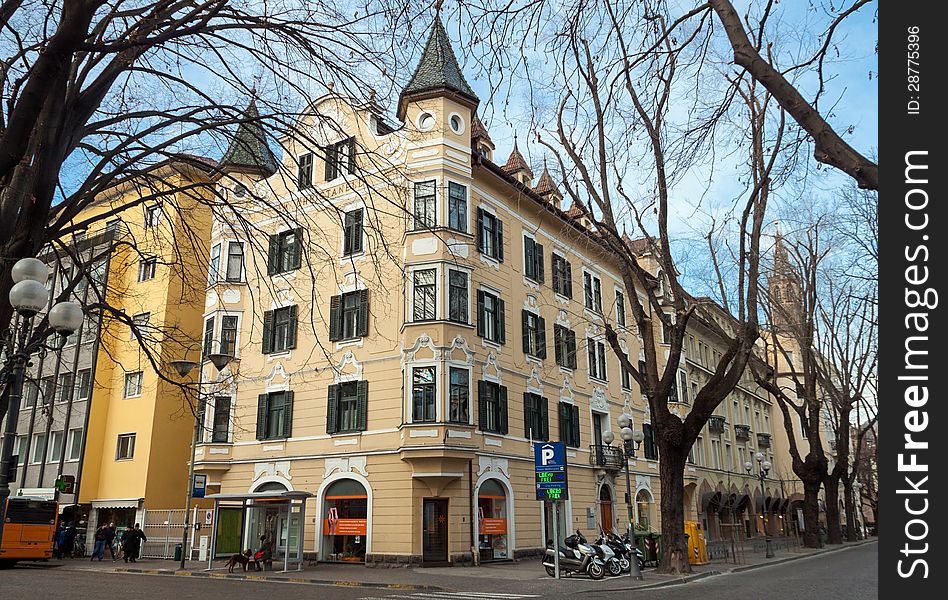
(408, 317)
(136, 447)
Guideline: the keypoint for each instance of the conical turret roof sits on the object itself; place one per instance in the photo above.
(248, 150)
(546, 185)
(438, 69)
(516, 162)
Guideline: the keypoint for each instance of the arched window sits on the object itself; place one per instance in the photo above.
(492, 520)
(345, 521)
(271, 486)
(643, 508)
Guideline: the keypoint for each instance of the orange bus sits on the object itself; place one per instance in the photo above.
(29, 525)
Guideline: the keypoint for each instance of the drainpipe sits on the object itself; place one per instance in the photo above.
(475, 556)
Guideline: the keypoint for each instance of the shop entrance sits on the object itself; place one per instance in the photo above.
(492, 521)
(434, 537)
(345, 522)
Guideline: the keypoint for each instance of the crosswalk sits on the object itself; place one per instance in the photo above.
(452, 596)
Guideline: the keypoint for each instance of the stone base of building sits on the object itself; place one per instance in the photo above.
(526, 553)
(392, 560)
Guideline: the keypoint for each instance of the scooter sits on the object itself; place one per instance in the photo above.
(622, 551)
(633, 551)
(577, 556)
(608, 555)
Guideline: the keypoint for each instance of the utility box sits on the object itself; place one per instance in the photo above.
(697, 545)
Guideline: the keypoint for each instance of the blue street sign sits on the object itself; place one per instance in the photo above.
(199, 486)
(549, 460)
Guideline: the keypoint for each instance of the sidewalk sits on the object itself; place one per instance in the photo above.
(502, 577)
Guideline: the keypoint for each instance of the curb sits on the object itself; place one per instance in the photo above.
(296, 580)
(660, 584)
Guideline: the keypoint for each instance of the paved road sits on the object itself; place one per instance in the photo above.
(850, 573)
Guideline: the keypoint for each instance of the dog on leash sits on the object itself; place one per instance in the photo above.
(239, 559)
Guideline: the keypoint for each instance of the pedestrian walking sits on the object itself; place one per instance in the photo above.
(98, 551)
(110, 539)
(132, 540)
(60, 540)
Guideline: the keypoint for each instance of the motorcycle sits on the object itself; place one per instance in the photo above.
(632, 551)
(576, 556)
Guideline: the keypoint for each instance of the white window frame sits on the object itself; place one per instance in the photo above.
(594, 276)
(37, 445)
(51, 446)
(448, 365)
(153, 215)
(440, 301)
(134, 437)
(225, 258)
(218, 337)
(437, 205)
(142, 321)
(70, 441)
(79, 387)
(147, 266)
(141, 381)
(214, 271)
(600, 343)
(439, 398)
(447, 205)
(471, 300)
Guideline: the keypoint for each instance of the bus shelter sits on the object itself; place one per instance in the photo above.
(241, 520)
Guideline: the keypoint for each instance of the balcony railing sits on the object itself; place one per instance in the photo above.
(607, 457)
(716, 424)
(742, 432)
(763, 440)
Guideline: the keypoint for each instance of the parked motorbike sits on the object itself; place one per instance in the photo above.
(609, 555)
(576, 556)
(632, 551)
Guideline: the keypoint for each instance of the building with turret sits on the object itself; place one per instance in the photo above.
(408, 316)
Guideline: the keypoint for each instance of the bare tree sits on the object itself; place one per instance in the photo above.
(616, 94)
(98, 94)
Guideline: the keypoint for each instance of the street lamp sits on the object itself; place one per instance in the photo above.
(28, 296)
(631, 440)
(183, 368)
(761, 475)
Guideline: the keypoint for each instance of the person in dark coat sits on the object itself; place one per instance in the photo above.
(60, 540)
(110, 539)
(69, 540)
(132, 539)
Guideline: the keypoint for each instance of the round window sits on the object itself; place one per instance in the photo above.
(457, 125)
(426, 121)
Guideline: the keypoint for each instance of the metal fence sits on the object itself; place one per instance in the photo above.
(164, 529)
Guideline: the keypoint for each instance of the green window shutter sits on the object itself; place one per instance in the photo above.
(527, 415)
(499, 239)
(292, 327)
(268, 332)
(362, 404)
(528, 261)
(574, 425)
(287, 413)
(524, 315)
(298, 248)
(503, 409)
(335, 318)
(545, 419)
(480, 312)
(555, 262)
(263, 409)
(363, 313)
(480, 229)
(273, 255)
(352, 154)
(558, 343)
(541, 351)
(563, 420)
(538, 257)
(482, 405)
(569, 278)
(332, 406)
(330, 162)
(571, 348)
(501, 320)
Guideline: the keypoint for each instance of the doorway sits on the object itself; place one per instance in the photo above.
(435, 531)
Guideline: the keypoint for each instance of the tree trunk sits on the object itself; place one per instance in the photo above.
(811, 513)
(834, 530)
(674, 543)
(851, 515)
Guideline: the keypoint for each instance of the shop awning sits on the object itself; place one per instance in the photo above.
(118, 503)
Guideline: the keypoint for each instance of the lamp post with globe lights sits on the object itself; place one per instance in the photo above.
(763, 467)
(631, 440)
(183, 368)
(28, 296)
